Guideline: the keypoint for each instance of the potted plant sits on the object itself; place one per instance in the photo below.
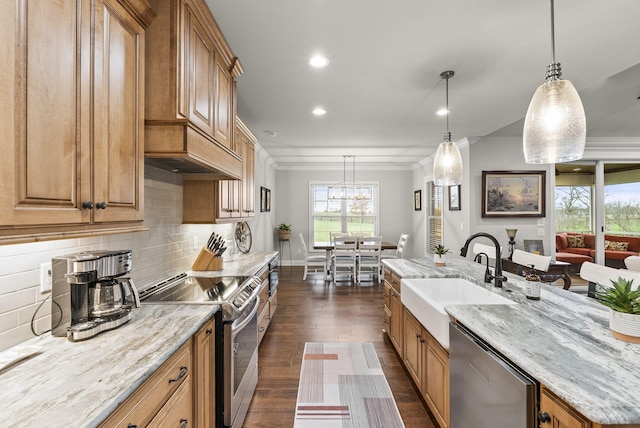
(284, 231)
(624, 303)
(439, 255)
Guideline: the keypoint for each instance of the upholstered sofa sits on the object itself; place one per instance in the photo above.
(617, 248)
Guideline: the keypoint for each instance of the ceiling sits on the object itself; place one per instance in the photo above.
(382, 86)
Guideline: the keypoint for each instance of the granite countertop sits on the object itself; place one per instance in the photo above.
(240, 264)
(562, 340)
(79, 384)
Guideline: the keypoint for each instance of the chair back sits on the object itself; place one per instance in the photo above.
(402, 244)
(489, 250)
(345, 247)
(305, 252)
(540, 263)
(632, 263)
(337, 235)
(370, 246)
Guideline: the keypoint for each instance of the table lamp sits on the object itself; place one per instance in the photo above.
(511, 233)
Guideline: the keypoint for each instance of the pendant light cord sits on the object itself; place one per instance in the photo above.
(447, 100)
(553, 36)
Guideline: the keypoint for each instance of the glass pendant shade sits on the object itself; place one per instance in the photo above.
(555, 128)
(447, 165)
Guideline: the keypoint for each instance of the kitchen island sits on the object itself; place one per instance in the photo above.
(562, 340)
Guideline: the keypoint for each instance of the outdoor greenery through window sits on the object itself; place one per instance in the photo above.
(573, 209)
(349, 208)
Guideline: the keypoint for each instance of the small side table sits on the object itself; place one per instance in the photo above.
(286, 242)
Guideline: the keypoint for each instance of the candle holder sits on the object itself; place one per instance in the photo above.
(511, 233)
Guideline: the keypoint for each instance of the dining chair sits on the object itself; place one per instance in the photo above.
(399, 254)
(369, 250)
(540, 263)
(311, 260)
(344, 257)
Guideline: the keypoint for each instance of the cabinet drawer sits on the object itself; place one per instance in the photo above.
(145, 402)
(273, 304)
(392, 279)
(177, 412)
(264, 297)
(263, 323)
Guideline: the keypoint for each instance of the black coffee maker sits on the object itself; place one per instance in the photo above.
(89, 294)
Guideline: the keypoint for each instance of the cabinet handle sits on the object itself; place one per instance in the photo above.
(183, 423)
(262, 329)
(101, 205)
(183, 373)
(384, 294)
(130, 425)
(208, 331)
(87, 205)
(544, 417)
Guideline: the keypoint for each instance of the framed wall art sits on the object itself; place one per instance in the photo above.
(454, 198)
(265, 199)
(417, 200)
(513, 193)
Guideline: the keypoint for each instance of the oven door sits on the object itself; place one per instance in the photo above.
(240, 364)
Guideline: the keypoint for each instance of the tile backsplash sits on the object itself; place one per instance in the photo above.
(166, 249)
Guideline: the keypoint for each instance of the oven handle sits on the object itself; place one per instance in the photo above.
(247, 319)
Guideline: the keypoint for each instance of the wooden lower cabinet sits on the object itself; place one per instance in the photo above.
(204, 396)
(428, 364)
(163, 395)
(394, 310)
(180, 393)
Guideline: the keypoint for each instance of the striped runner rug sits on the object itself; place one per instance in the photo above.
(343, 385)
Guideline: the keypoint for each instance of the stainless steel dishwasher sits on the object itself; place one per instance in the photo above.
(487, 390)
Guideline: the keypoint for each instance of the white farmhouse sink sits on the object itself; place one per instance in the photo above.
(427, 297)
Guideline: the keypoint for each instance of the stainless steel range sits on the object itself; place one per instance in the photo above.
(238, 297)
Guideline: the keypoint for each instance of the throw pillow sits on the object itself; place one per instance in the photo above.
(616, 245)
(575, 241)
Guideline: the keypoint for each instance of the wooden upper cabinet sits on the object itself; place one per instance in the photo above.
(224, 106)
(191, 86)
(46, 138)
(119, 120)
(200, 83)
(63, 154)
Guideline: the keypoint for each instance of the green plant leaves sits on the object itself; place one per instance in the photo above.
(621, 297)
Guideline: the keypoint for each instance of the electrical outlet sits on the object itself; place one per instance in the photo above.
(45, 277)
(195, 242)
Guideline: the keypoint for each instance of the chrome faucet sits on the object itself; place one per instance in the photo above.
(498, 267)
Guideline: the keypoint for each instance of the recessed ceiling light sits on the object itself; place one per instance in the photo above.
(318, 61)
(442, 112)
(577, 169)
(319, 111)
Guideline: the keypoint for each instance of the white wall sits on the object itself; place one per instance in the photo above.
(291, 197)
(166, 249)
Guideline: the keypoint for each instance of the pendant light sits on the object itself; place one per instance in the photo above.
(555, 126)
(447, 164)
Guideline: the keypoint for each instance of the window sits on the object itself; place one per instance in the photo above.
(349, 208)
(434, 216)
(573, 209)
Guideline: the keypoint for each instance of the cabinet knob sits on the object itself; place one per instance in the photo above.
(87, 205)
(544, 417)
(208, 331)
(183, 423)
(101, 205)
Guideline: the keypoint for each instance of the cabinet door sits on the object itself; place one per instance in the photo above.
(223, 125)
(201, 63)
(396, 323)
(413, 348)
(204, 379)
(119, 115)
(177, 411)
(45, 122)
(435, 384)
(561, 415)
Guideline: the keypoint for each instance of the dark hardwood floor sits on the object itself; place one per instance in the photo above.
(315, 311)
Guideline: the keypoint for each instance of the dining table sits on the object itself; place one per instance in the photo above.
(329, 248)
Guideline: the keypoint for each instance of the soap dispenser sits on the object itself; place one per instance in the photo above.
(532, 289)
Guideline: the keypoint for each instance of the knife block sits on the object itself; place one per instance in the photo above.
(206, 261)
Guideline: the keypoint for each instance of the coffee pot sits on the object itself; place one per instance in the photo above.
(89, 294)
